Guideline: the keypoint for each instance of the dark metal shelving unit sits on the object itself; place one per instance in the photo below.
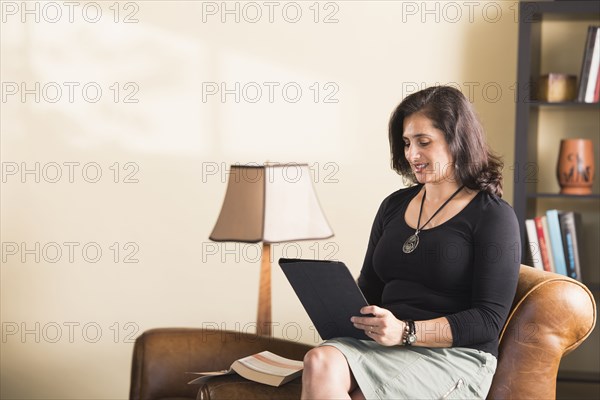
(528, 110)
(531, 14)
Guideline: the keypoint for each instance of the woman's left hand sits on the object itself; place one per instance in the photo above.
(382, 327)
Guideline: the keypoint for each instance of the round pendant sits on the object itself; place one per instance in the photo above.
(411, 244)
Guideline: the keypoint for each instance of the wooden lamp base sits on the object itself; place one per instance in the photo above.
(263, 320)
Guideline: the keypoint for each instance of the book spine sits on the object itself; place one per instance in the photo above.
(567, 241)
(548, 244)
(558, 252)
(597, 91)
(571, 256)
(539, 227)
(534, 244)
(574, 226)
(586, 63)
(594, 65)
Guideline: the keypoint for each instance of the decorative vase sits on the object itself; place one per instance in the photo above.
(575, 168)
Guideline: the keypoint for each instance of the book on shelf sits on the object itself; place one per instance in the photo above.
(544, 253)
(264, 367)
(534, 256)
(594, 69)
(570, 225)
(549, 251)
(590, 67)
(597, 91)
(558, 253)
(539, 227)
(554, 241)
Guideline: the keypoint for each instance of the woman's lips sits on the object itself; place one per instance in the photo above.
(420, 167)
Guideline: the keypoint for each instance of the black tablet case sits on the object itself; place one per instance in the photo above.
(329, 295)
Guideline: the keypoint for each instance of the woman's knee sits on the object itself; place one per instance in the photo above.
(322, 359)
(327, 365)
(315, 359)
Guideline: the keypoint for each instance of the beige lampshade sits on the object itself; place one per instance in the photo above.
(271, 204)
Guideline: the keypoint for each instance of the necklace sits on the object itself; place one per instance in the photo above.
(413, 240)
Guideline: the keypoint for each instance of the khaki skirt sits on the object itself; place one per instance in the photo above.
(411, 372)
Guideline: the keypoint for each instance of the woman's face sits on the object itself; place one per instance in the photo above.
(427, 151)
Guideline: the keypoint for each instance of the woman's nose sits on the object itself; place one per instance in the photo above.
(412, 153)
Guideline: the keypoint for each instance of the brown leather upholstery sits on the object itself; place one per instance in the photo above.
(236, 387)
(161, 358)
(551, 316)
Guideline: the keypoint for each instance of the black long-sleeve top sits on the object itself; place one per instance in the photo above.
(465, 269)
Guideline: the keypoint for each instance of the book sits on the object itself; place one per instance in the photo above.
(541, 234)
(594, 67)
(548, 244)
(534, 245)
(597, 90)
(264, 367)
(558, 253)
(571, 225)
(586, 65)
(567, 241)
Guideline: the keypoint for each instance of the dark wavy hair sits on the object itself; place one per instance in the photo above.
(449, 110)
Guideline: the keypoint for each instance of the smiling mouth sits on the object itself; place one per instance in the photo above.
(420, 167)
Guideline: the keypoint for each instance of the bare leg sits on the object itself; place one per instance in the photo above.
(326, 375)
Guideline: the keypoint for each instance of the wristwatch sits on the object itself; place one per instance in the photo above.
(410, 333)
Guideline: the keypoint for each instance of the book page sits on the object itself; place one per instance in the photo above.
(204, 376)
(272, 364)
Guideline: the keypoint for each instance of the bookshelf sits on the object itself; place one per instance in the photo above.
(551, 39)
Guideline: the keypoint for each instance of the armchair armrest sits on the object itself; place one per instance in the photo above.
(161, 358)
(551, 315)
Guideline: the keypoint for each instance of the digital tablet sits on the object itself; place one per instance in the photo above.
(329, 295)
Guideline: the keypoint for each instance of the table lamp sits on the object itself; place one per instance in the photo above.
(272, 203)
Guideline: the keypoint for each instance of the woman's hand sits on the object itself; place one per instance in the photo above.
(382, 327)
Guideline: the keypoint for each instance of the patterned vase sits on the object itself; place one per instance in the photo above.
(575, 168)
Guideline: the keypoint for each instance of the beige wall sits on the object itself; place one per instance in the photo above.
(68, 322)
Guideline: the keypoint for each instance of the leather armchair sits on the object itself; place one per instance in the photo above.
(551, 316)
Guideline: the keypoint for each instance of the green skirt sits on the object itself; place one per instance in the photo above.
(411, 372)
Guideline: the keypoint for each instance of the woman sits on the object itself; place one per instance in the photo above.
(440, 271)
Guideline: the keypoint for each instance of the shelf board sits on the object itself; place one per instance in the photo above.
(565, 104)
(593, 196)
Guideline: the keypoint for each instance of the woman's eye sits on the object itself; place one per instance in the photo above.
(423, 144)
(406, 144)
